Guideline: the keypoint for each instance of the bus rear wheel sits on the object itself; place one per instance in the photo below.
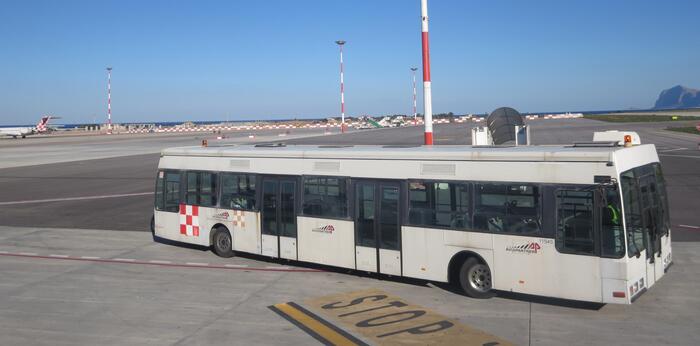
(475, 279)
(221, 242)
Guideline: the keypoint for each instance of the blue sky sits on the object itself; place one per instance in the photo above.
(211, 60)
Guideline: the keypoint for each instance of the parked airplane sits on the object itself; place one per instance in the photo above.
(15, 132)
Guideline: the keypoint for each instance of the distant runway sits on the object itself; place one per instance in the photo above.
(114, 192)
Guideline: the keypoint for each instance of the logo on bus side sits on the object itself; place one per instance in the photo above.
(325, 229)
(528, 248)
(221, 216)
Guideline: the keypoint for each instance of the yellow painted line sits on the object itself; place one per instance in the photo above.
(314, 324)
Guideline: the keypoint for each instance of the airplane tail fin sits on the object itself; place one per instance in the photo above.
(42, 125)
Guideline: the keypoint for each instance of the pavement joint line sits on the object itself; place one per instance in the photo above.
(669, 150)
(59, 256)
(689, 226)
(685, 156)
(28, 253)
(197, 264)
(66, 199)
(276, 267)
(236, 265)
(3, 252)
(159, 261)
(144, 262)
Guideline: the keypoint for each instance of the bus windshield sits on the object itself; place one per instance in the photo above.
(645, 208)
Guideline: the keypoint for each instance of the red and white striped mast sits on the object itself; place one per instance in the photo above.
(415, 111)
(109, 99)
(427, 96)
(340, 43)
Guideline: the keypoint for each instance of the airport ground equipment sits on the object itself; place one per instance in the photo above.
(585, 221)
(503, 126)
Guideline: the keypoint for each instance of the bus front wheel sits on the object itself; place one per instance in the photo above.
(475, 278)
(221, 242)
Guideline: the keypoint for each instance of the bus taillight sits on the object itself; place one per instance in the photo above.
(628, 140)
(618, 294)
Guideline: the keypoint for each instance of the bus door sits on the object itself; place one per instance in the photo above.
(650, 204)
(641, 198)
(378, 227)
(278, 215)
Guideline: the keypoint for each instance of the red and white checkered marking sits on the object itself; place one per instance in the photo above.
(189, 220)
(239, 218)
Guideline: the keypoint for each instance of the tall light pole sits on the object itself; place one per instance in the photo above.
(427, 96)
(415, 112)
(340, 43)
(109, 99)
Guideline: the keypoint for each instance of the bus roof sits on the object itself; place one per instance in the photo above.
(555, 153)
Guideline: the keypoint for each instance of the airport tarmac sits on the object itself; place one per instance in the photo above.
(67, 278)
(42, 149)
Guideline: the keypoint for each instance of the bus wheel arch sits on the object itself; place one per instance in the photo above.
(466, 263)
(221, 241)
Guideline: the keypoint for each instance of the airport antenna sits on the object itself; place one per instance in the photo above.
(415, 112)
(341, 43)
(109, 100)
(427, 95)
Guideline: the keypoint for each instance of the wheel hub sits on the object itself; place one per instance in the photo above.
(223, 242)
(480, 278)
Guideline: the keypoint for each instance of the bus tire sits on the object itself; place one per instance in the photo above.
(475, 278)
(221, 242)
(153, 224)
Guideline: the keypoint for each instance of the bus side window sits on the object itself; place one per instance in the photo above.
(612, 238)
(201, 189)
(159, 200)
(508, 208)
(439, 204)
(172, 191)
(325, 197)
(191, 188)
(238, 191)
(575, 225)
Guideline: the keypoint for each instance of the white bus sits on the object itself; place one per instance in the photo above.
(581, 222)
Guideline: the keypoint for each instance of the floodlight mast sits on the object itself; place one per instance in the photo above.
(415, 112)
(427, 97)
(340, 43)
(109, 99)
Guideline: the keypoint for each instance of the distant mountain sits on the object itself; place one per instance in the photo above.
(678, 97)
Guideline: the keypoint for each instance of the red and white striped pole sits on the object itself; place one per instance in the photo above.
(415, 111)
(109, 99)
(342, 88)
(427, 97)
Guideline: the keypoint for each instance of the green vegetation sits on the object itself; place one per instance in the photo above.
(687, 129)
(638, 118)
